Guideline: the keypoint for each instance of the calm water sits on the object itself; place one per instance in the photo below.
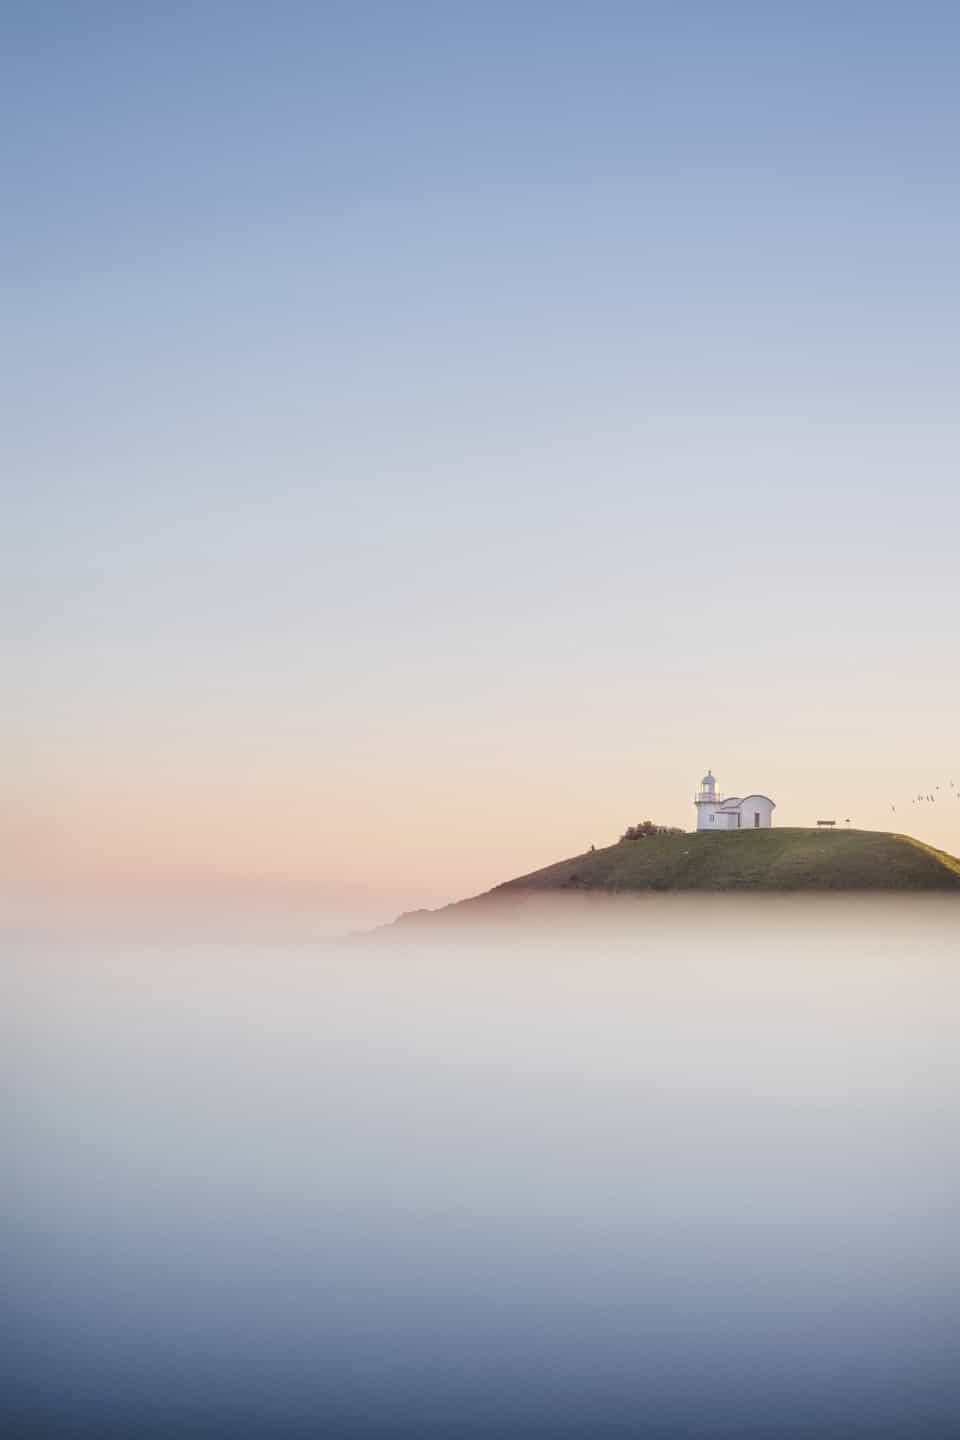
(655, 1169)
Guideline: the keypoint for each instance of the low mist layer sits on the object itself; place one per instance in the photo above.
(662, 1165)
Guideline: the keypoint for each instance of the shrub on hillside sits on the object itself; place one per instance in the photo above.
(647, 827)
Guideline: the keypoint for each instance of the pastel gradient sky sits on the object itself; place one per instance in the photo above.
(435, 433)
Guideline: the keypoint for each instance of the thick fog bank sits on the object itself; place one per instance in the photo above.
(662, 1166)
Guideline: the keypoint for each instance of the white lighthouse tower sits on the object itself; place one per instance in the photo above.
(706, 800)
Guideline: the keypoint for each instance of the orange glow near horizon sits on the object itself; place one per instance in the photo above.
(374, 843)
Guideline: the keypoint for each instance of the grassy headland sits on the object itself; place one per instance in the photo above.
(789, 860)
(776, 859)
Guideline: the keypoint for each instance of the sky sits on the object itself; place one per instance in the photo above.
(436, 433)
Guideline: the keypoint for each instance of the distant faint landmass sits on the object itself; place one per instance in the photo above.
(786, 859)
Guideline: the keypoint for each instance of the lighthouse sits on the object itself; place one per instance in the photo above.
(714, 813)
(706, 800)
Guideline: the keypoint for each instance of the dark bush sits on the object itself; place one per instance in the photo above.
(647, 827)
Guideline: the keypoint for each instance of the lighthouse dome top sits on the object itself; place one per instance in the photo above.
(708, 779)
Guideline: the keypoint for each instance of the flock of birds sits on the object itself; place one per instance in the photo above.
(933, 798)
(939, 793)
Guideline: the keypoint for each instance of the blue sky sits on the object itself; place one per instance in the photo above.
(474, 418)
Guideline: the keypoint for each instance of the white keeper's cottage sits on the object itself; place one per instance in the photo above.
(753, 812)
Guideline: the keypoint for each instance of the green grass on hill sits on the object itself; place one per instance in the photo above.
(777, 859)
